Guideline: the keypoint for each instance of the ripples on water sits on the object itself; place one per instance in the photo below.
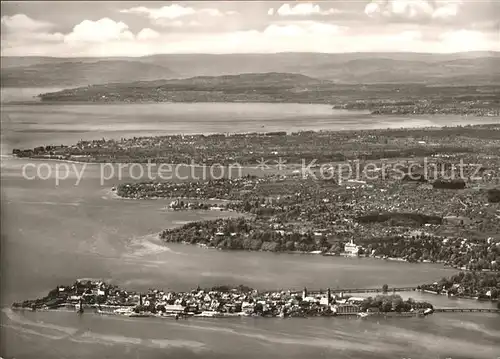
(254, 337)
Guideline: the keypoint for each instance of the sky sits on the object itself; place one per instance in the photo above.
(119, 28)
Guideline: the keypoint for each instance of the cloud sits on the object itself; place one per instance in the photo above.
(177, 16)
(299, 9)
(174, 11)
(102, 30)
(303, 9)
(147, 34)
(21, 29)
(446, 11)
(21, 22)
(321, 28)
(284, 30)
(309, 37)
(302, 28)
(410, 35)
(373, 9)
(46, 37)
(188, 34)
(488, 26)
(171, 12)
(211, 12)
(180, 23)
(416, 10)
(462, 40)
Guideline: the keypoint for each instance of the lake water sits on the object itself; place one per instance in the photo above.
(36, 124)
(53, 234)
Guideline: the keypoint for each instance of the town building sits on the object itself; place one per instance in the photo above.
(345, 309)
(351, 249)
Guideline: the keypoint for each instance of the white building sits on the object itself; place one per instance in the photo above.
(346, 309)
(324, 301)
(351, 249)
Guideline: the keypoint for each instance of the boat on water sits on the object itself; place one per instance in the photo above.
(79, 307)
(215, 314)
(363, 315)
(428, 311)
(124, 311)
(209, 314)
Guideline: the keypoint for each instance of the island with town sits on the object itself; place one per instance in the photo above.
(99, 297)
(222, 301)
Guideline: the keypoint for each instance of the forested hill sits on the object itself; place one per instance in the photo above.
(268, 87)
(295, 88)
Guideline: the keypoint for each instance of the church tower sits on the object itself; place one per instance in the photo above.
(304, 293)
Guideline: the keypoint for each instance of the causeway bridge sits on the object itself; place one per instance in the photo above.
(352, 290)
(466, 310)
(369, 290)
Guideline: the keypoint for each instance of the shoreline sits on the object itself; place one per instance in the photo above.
(38, 101)
(41, 153)
(228, 315)
(114, 195)
(325, 254)
(231, 302)
(223, 301)
(407, 106)
(318, 253)
(12, 156)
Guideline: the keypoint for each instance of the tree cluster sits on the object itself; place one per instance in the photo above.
(484, 285)
(392, 303)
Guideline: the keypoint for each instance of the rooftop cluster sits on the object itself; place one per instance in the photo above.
(247, 149)
(394, 210)
(459, 106)
(389, 219)
(397, 213)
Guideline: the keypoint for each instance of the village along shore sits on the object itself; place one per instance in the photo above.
(222, 301)
(99, 297)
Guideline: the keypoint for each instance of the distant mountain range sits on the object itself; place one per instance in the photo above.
(77, 73)
(350, 68)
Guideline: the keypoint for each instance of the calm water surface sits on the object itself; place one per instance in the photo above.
(54, 234)
(32, 125)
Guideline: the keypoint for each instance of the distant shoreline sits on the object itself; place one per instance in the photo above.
(367, 112)
(379, 129)
(317, 253)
